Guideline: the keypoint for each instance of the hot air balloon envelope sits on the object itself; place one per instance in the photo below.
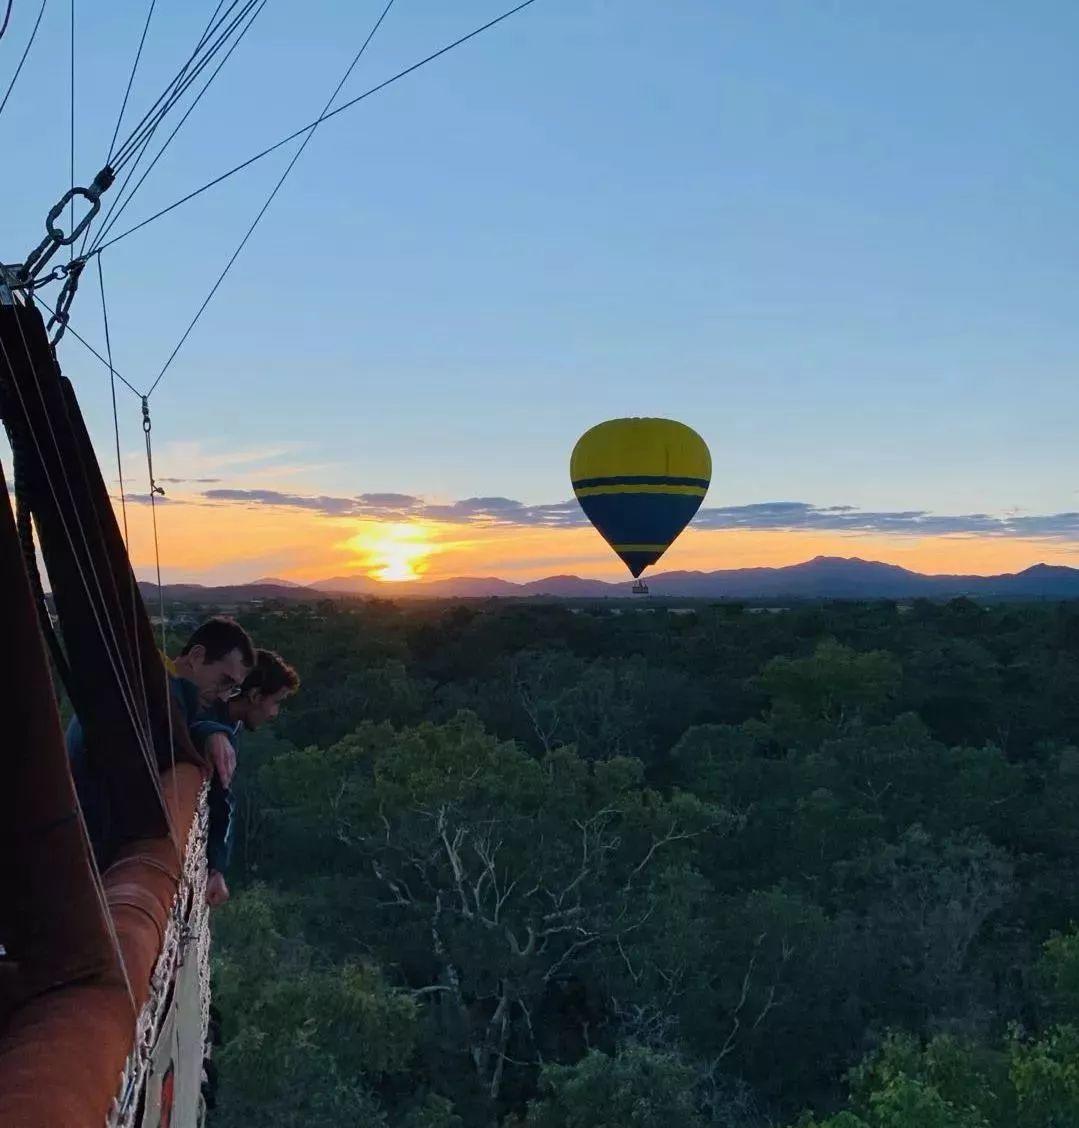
(640, 482)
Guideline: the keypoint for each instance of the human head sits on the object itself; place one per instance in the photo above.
(217, 658)
(265, 688)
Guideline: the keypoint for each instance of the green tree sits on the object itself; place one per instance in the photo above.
(498, 876)
(1058, 971)
(1045, 1073)
(305, 1043)
(833, 688)
(635, 1088)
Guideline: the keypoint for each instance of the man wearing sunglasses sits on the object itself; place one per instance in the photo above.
(211, 667)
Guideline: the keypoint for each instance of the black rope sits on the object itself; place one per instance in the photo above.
(142, 735)
(123, 493)
(318, 121)
(207, 31)
(270, 198)
(86, 344)
(24, 531)
(145, 131)
(115, 413)
(123, 107)
(72, 227)
(7, 18)
(91, 582)
(155, 489)
(26, 51)
(131, 79)
(119, 203)
(142, 153)
(137, 144)
(24, 527)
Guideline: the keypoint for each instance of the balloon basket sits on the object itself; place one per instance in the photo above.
(640, 588)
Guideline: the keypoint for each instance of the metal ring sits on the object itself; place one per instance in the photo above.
(56, 233)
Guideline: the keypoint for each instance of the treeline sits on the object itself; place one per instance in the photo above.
(531, 866)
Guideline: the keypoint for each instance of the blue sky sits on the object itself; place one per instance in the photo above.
(840, 239)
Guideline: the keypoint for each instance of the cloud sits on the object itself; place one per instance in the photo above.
(795, 515)
(792, 515)
(331, 506)
(400, 507)
(145, 499)
(390, 499)
(185, 481)
(787, 516)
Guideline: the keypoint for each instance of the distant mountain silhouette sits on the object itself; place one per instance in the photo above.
(573, 587)
(832, 577)
(461, 586)
(358, 585)
(464, 587)
(227, 594)
(825, 577)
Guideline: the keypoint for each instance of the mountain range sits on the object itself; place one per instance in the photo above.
(824, 577)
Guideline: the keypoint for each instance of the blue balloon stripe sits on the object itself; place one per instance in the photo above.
(640, 521)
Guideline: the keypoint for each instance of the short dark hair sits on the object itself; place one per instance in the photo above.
(270, 674)
(220, 636)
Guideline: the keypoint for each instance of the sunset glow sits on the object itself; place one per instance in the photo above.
(222, 544)
(394, 553)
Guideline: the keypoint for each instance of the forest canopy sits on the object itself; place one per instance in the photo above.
(553, 867)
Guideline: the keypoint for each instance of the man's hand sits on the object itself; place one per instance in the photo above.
(223, 757)
(217, 892)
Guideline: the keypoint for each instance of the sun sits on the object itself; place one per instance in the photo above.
(394, 553)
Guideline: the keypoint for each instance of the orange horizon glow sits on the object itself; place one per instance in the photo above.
(207, 543)
(393, 553)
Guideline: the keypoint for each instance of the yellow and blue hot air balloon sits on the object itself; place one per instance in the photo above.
(640, 482)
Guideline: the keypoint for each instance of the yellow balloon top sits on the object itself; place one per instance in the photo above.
(640, 447)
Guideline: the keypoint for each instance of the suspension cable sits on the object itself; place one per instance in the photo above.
(115, 415)
(131, 79)
(72, 248)
(86, 344)
(273, 193)
(26, 51)
(120, 202)
(142, 152)
(26, 542)
(108, 636)
(155, 489)
(146, 129)
(123, 492)
(24, 528)
(178, 77)
(318, 121)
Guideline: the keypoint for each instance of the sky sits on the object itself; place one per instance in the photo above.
(838, 239)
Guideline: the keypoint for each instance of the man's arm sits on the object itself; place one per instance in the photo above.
(219, 841)
(213, 740)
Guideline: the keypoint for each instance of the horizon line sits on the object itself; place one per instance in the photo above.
(424, 581)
